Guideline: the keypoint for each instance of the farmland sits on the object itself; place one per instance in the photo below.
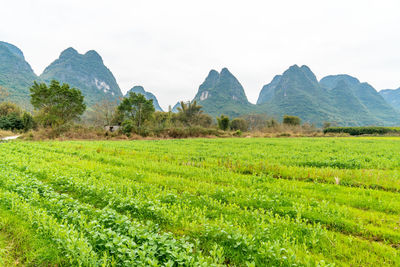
(201, 202)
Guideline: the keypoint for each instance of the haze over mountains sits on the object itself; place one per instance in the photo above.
(336, 98)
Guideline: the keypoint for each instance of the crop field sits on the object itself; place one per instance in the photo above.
(201, 202)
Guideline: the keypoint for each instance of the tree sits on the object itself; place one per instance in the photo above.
(291, 120)
(223, 122)
(103, 113)
(57, 104)
(239, 124)
(136, 108)
(27, 121)
(7, 108)
(189, 112)
(3, 93)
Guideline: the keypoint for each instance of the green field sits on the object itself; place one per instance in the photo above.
(201, 202)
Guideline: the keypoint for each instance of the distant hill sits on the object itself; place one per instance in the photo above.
(16, 75)
(175, 107)
(221, 93)
(337, 98)
(148, 95)
(379, 110)
(85, 72)
(268, 90)
(392, 97)
(297, 92)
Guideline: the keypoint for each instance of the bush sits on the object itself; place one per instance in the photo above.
(291, 120)
(239, 124)
(127, 127)
(27, 122)
(362, 130)
(7, 108)
(11, 122)
(223, 122)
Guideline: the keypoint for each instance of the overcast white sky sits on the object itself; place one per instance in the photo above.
(170, 46)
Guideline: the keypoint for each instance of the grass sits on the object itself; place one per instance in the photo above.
(236, 202)
(4, 133)
(20, 246)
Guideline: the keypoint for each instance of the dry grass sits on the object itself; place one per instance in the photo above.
(96, 133)
(4, 133)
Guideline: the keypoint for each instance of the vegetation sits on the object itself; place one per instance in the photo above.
(13, 118)
(135, 110)
(291, 120)
(223, 122)
(363, 130)
(56, 104)
(237, 202)
(239, 124)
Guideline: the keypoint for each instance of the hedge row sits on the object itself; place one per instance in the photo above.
(363, 130)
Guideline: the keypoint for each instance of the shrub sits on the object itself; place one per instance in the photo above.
(362, 130)
(239, 124)
(11, 122)
(127, 127)
(223, 122)
(27, 122)
(291, 120)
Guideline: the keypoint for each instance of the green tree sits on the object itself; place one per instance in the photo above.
(57, 104)
(291, 120)
(189, 112)
(27, 121)
(7, 108)
(223, 122)
(136, 108)
(239, 124)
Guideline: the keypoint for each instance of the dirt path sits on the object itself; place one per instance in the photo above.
(10, 137)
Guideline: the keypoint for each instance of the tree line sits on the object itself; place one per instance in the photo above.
(58, 107)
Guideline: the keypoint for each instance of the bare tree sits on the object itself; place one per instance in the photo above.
(103, 112)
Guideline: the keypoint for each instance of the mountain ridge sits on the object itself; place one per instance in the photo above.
(86, 72)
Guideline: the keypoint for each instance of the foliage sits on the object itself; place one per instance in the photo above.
(208, 202)
(11, 122)
(12, 118)
(223, 122)
(7, 108)
(291, 120)
(136, 108)
(363, 130)
(189, 112)
(56, 104)
(127, 127)
(239, 124)
(28, 122)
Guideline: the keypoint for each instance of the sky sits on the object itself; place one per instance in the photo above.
(170, 46)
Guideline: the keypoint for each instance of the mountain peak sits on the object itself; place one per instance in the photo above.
(331, 81)
(138, 89)
(93, 55)
(222, 90)
(69, 52)
(15, 74)
(225, 71)
(13, 49)
(86, 72)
